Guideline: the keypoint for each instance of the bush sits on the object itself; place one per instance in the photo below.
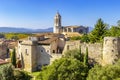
(64, 69)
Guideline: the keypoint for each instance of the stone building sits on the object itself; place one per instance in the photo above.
(39, 50)
(58, 28)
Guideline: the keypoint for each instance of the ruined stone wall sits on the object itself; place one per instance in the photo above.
(111, 50)
(95, 50)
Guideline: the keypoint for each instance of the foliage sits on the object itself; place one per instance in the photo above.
(75, 38)
(16, 36)
(2, 35)
(6, 72)
(13, 58)
(99, 31)
(21, 75)
(114, 31)
(64, 69)
(85, 38)
(86, 57)
(75, 53)
(110, 72)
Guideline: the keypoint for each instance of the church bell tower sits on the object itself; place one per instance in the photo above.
(57, 23)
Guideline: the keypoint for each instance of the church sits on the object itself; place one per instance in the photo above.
(58, 28)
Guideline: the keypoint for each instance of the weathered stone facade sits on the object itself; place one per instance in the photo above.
(38, 51)
(107, 53)
(95, 50)
(111, 50)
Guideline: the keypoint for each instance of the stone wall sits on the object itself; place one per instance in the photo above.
(111, 50)
(95, 50)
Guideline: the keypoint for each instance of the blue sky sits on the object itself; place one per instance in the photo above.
(40, 13)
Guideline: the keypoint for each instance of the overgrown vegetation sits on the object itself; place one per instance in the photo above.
(7, 72)
(14, 36)
(110, 72)
(72, 67)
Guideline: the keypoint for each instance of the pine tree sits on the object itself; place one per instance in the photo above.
(99, 31)
(13, 58)
(86, 57)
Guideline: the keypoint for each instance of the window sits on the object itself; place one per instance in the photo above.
(41, 50)
(26, 51)
(67, 47)
(53, 51)
(48, 51)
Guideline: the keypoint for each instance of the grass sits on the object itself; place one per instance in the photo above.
(34, 74)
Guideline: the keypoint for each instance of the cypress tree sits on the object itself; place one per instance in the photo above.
(13, 58)
(80, 54)
(86, 57)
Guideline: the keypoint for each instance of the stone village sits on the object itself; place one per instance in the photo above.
(44, 48)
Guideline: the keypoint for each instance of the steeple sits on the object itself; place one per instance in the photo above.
(57, 22)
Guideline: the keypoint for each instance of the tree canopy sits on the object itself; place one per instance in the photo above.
(64, 69)
(109, 72)
(99, 31)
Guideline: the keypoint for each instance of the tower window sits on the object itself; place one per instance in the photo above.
(26, 51)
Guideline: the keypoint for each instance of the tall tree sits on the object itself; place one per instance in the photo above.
(13, 57)
(86, 57)
(114, 31)
(99, 31)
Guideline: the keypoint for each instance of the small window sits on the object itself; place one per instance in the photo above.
(67, 47)
(53, 51)
(48, 51)
(26, 51)
(41, 50)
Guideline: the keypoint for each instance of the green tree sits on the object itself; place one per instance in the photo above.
(75, 53)
(13, 58)
(99, 31)
(114, 31)
(64, 69)
(21, 75)
(85, 38)
(86, 57)
(109, 72)
(6, 72)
